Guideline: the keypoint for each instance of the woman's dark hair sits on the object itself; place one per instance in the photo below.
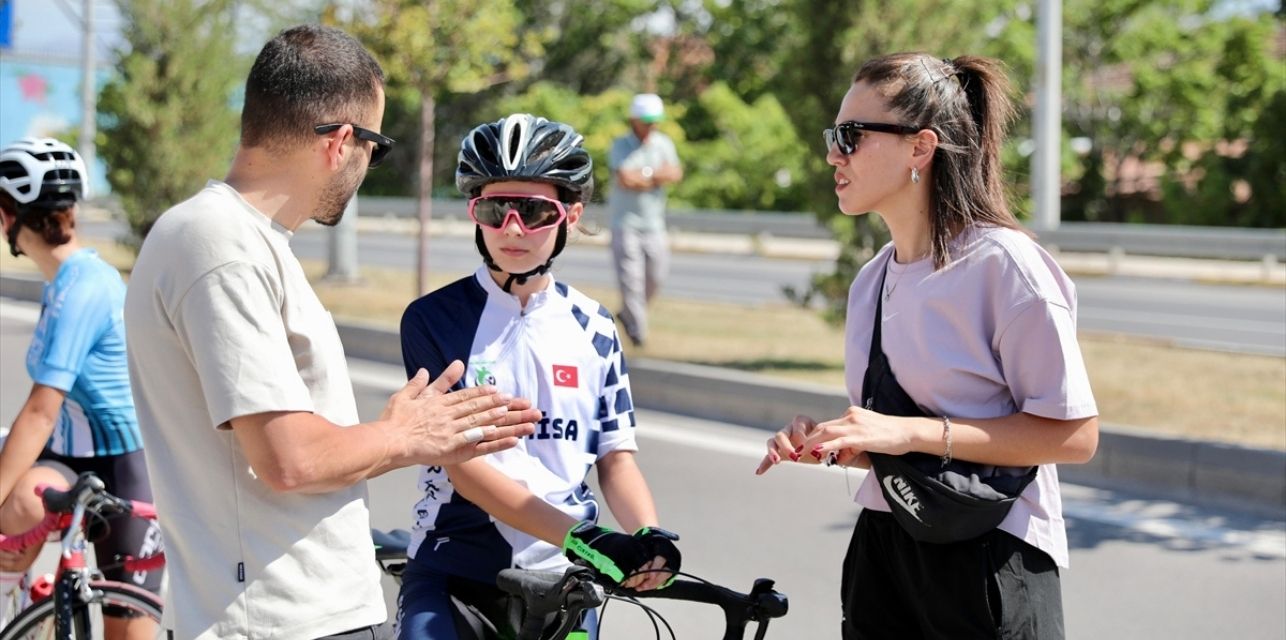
(307, 76)
(53, 223)
(968, 103)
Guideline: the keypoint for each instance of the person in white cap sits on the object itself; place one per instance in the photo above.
(643, 164)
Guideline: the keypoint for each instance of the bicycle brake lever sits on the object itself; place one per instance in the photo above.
(769, 601)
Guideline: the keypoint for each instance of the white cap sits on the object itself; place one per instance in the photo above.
(647, 107)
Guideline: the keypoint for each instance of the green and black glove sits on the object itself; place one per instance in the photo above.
(611, 553)
(659, 542)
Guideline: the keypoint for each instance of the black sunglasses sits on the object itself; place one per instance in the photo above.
(846, 135)
(383, 144)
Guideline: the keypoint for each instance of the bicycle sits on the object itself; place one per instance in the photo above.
(551, 602)
(67, 607)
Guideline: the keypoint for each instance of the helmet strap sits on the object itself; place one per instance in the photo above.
(520, 278)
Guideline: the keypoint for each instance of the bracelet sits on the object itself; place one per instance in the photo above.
(946, 435)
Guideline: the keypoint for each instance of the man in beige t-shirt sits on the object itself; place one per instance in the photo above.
(240, 381)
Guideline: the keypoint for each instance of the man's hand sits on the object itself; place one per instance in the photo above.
(437, 426)
(635, 180)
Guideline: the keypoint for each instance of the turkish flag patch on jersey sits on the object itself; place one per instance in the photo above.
(565, 376)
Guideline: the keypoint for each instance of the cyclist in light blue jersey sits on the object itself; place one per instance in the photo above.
(80, 414)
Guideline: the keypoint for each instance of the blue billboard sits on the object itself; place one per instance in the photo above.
(6, 24)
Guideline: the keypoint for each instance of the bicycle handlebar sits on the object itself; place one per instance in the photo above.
(89, 490)
(36, 535)
(545, 592)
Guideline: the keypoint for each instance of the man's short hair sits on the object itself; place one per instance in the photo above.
(306, 76)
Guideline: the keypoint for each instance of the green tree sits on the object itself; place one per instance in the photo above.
(166, 125)
(430, 48)
(591, 45)
(1163, 89)
(748, 156)
(827, 41)
(1232, 173)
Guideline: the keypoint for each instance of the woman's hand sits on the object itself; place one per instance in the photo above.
(843, 441)
(789, 443)
(785, 442)
(855, 433)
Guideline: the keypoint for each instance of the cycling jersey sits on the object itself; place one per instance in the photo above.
(79, 348)
(561, 352)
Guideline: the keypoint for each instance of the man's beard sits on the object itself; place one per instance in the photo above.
(334, 199)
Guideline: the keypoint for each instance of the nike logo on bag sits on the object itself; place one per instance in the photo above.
(902, 495)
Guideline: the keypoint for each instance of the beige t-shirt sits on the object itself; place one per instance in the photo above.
(222, 323)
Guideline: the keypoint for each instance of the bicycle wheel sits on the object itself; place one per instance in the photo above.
(37, 621)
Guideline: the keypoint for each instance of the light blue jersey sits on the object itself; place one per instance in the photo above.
(79, 348)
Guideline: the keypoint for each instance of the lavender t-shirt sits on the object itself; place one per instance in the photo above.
(990, 334)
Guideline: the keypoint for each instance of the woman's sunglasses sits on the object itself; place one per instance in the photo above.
(846, 135)
(534, 213)
(383, 143)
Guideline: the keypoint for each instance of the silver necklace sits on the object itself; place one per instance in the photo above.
(888, 290)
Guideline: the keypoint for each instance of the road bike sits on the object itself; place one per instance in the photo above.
(70, 605)
(549, 604)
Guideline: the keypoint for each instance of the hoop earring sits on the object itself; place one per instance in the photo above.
(915, 175)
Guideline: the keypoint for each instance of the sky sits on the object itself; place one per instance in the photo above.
(51, 28)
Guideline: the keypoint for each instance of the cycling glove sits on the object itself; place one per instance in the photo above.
(659, 542)
(613, 554)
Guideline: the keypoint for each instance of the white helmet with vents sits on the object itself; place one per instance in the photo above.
(43, 171)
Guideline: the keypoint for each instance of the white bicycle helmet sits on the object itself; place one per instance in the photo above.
(43, 171)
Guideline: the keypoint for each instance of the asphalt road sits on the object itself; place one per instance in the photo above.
(1141, 568)
(1250, 319)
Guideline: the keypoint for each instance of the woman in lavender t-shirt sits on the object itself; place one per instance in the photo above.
(978, 326)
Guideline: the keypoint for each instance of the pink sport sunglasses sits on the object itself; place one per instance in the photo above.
(535, 213)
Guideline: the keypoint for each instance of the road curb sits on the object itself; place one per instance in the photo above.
(1183, 469)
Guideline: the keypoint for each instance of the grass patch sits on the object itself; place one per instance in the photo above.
(1202, 394)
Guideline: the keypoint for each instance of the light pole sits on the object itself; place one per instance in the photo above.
(88, 87)
(1047, 119)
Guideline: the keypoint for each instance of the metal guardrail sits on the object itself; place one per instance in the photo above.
(1223, 243)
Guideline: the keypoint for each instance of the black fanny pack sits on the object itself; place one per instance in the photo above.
(933, 502)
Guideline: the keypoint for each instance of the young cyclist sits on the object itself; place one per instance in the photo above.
(518, 329)
(80, 414)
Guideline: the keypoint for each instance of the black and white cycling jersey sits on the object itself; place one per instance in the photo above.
(562, 352)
